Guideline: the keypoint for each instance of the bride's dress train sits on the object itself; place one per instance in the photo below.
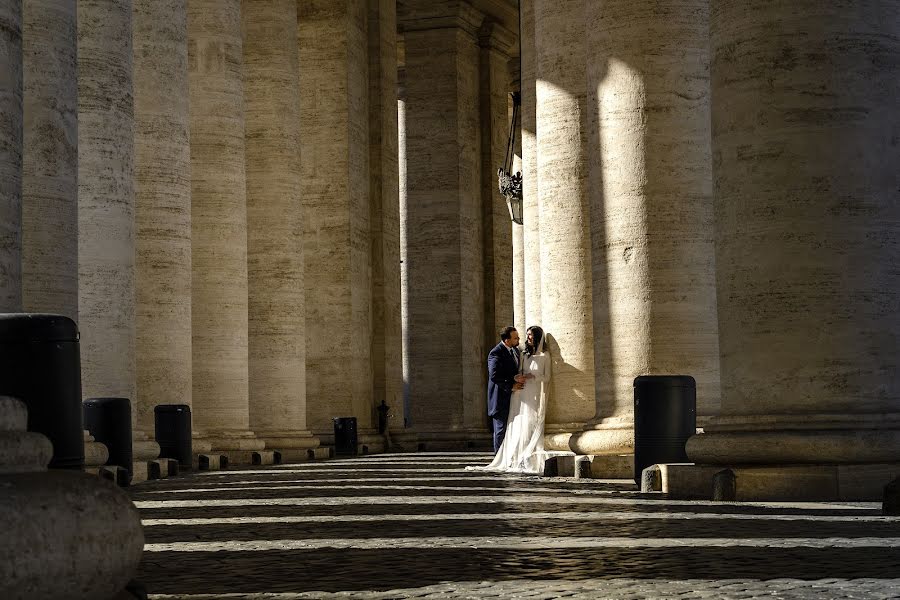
(522, 450)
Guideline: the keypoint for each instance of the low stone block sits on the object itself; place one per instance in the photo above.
(583, 467)
(651, 480)
(551, 467)
(891, 503)
(616, 466)
(212, 462)
(322, 452)
(724, 486)
(263, 457)
(565, 465)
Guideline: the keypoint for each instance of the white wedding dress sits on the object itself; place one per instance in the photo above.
(522, 450)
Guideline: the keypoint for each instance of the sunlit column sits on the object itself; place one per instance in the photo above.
(531, 240)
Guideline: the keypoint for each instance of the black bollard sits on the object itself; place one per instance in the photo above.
(109, 421)
(173, 433)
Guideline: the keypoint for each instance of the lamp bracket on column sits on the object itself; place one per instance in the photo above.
(511, 184)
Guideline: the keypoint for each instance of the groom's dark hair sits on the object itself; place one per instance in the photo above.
(506, 333)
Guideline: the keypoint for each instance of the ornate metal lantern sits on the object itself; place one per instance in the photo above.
(511, 184)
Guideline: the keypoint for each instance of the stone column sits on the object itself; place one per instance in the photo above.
(277, 318)
(162, 167)
(651, 208)
(334, 119)
(384, 208)
(518, 231)
(805, 154)
(105, 199)
(564, 218)
(11, 157)
(218, 226)
(444, 223)
(496, 43)
(531, 239)
(404, 230)
(50, 158)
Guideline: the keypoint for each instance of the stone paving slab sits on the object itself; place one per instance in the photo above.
(396, 526)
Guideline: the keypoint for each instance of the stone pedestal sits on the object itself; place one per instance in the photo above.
(277, 318)
(564, 217)
(11, 157)
(220, 406)
(49, 518)
(162, 170)
(806, 228)
(444, 244)
(50, 158)
(334, 118)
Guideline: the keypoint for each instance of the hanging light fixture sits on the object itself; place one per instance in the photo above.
(511, 184)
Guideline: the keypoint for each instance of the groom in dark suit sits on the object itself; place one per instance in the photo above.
(503, 380)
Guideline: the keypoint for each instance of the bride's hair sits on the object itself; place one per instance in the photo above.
(538, 334)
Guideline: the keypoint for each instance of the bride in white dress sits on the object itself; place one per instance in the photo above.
(522, 450)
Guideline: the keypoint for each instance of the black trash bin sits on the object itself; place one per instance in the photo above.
(665, 416)
(345, 439)
(109, 421)
(40, 364)
(173, 433)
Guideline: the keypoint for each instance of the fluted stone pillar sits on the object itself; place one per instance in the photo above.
(334, 118)
(444, 251)
(105, 199)
(651, 208)
(385, 209)
(404, 233)
(50, 158)
(531, 239)
(11, 157)
(496, 43)
(564, 218)
(518, 231)
(277, 318)
(218, 226)
(162, 167)
(807, 206)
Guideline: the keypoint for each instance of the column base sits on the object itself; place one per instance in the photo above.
(144, 450)
(779, 483)
(465, 440)
(237, 445)
(612, 436)
(95, 454)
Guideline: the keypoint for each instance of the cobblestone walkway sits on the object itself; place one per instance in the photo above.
(421, 526)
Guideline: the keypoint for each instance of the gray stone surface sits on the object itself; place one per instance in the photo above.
(11, 157)
(277, 318)
(419, 526)
(106, 246)
(162, 165)
(530, 176)
(50, 158)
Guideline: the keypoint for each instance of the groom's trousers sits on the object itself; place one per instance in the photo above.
(498, 424)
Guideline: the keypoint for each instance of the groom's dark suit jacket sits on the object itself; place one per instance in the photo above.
(502, 370)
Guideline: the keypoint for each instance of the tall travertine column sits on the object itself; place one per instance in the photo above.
(518, 231)
(50, 158)
(105, 199)
(495, 43)
(162, 168)
(385, 209)
(531, 239)
(11, 157)
(277, 318)
(807, 205)
(651, 208)
(334, 117)
(564, 219)
(444, 252)
(218, 225)
(404, 231)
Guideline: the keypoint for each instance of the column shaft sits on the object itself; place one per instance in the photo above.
(804, 136)
(384, 208)
(444, 257)
(218, 224)
(531, 239)
(11, 157)
(564, 221)
(106, 199)
(50, 158)
(277, 318)
(334, 118)
(162, 164)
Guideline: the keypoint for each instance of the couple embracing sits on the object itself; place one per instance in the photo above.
(517, 401)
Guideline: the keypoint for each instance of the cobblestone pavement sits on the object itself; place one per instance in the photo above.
(421, 526)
